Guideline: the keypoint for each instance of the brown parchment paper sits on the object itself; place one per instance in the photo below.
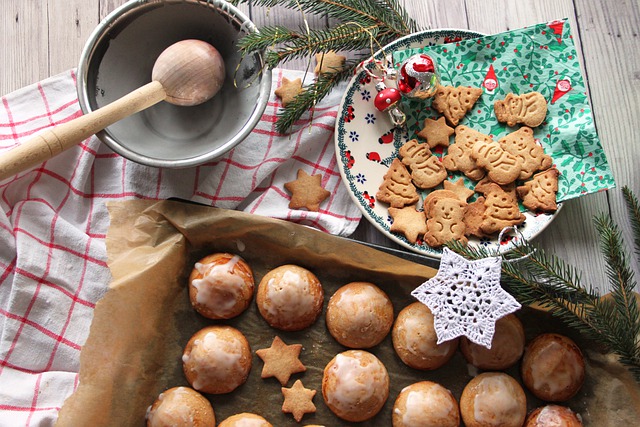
(141, 325)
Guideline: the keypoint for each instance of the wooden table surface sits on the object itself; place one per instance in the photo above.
(40, 38)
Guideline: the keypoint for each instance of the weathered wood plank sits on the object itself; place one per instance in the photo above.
(24, 51)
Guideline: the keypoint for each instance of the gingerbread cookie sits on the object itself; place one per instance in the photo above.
(459, 189)
(288, 90)
(502, 167)
(298, 400)
(459, 157)
(530, 109)
(455, 102)
(539, 194)
(445, 221)
(306, 191)
(522, 144)
(396, 188)
(408, 221)
(329, 63)
(281, 360)
(427, 170)
(473, 217)
(501, 210)
(436, 132)
(481, 187)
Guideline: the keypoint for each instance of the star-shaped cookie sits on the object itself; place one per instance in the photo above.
(459, 188)
(298, 400)
(466, 298)
(436, 132)
(408, 221)
(288, 90)
(329, 62)
(281, 360)
(306, 191)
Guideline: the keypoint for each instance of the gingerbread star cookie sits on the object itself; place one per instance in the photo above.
(298, 400)
(281, 360)
(306, 191)
(459, 188)
(408, 221)
(436, 132)
(328, 63)
(288, 90)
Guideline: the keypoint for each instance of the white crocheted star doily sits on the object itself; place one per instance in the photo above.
(466, 298)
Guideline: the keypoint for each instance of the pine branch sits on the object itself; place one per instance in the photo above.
(633, 210)
(366, 25)
(538, 278)
(308, 98)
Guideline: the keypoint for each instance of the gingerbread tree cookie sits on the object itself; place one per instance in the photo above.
(539, 194)
(436, 132)
(455, 102)
(427, 170)
(298, 400)
(396, 188)
(530, 109)
(408, 221)
(531, 156)
(306, 191)
(501, 209)
(281, 360)
(459, 157)
(288, 90)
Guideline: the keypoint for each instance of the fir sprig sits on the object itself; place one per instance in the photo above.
(363, 26)
(537, 278)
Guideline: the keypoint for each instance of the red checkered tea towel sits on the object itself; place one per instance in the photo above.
(53, 264)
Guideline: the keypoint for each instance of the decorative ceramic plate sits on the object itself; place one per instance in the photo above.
(366, 144)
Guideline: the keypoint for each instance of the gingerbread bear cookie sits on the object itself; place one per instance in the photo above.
(427, 170)
(455, 102)
(522, 144)
(539, 194)
(530, 109)
(502, 167)
(445, 221)
(397, 188)
(501, 210)
(459, 157)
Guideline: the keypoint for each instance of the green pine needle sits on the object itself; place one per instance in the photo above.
(364, 26)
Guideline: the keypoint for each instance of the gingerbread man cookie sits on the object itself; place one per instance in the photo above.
(530, 109)
(427, 170)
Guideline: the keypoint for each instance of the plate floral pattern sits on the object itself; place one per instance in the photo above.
(366, 144)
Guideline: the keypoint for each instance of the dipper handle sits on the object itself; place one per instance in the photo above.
(53, 141)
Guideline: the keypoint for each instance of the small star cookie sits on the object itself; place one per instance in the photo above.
(436, 132)
(288, 90)
(408, 221)
(306, 191)
(328, 63)
(459, 188)
(281, 360)
(298, 400)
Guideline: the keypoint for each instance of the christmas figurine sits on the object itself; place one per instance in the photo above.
(387, 99)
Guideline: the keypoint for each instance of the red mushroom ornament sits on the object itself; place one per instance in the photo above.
(387, 99)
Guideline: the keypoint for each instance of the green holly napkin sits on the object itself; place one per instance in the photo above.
(538, 58)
